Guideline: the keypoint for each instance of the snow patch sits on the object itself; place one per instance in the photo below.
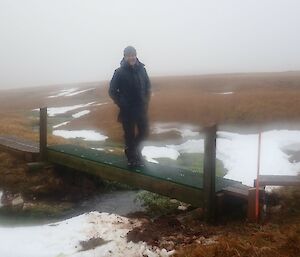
(52, 111)
(61, 124)
(224, 93)
(98, 148)
(239, 153)
(99, 104)
(63, 92)
(63, 238)
(70, 92)
(152, 152)
(80, 92)
(185, 130)
(190, 146)
(82, 113)
(87, 135)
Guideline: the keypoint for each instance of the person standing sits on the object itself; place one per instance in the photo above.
(130, 89)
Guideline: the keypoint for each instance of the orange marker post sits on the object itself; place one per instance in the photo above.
(257, 179)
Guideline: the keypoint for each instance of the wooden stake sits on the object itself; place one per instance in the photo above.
(43, 133)
(210, 173)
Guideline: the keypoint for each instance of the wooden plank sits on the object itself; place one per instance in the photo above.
(171, 173)
(237, 190)
(278, 180)
(209, 176)
(43, 133)
(20, 148)
(18, 144)
(183, 193)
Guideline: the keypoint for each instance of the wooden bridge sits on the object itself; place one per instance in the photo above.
(182, 184)
(199, 189)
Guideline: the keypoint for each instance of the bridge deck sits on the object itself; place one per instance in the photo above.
(179, 183)
(25, 149)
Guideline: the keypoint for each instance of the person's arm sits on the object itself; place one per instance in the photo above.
(148, 87)
(114, 90)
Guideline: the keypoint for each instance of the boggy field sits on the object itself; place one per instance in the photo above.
(234, 100)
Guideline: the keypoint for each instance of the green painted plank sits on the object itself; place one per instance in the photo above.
(166, 173)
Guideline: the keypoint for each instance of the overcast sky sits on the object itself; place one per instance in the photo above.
(46, 42)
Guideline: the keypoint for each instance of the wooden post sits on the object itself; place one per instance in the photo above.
(43, 133)
(209, 174)
(253, 216)
(257, 179)
(251, 205)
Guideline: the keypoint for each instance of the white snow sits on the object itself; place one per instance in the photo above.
(99, 104)
(239, 153)
(98, 148)
(185, 130)
(152, 152)
(52, 111)
(79, 92)
(87, 135)
(82, 113)
(70, 92)
(63, 92)
(61, 124)
(224, 93)
(190, 146)
(62, 239)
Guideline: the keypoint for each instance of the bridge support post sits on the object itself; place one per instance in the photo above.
(209, 175)
(43, 133)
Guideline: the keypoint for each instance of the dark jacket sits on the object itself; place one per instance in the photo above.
(130, 86)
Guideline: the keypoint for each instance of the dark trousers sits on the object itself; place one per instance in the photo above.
(135, 125)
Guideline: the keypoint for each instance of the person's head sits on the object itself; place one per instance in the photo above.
(130, 55)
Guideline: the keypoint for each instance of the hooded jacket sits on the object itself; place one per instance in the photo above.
(130, 85)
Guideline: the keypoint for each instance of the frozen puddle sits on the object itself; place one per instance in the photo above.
(185, 130)
(87, 135)
(239, 153)
(63, 239)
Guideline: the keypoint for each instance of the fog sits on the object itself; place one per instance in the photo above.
(64, 41)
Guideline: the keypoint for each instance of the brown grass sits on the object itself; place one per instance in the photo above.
(259, 98)
(250, 241)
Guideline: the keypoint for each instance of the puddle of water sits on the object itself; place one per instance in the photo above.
(118, 202)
